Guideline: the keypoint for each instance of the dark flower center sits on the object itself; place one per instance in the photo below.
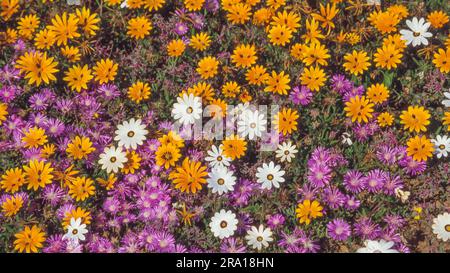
(223, 224)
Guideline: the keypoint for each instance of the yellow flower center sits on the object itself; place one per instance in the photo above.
(130, 134)
(270, 177)
(220, 181)
(113, 159)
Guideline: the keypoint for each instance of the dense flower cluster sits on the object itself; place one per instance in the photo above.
(98, 100)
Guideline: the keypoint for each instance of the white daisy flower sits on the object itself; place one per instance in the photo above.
(441, 226)
(216, 157)
(131, 133)
(223, 224)
(221, 180)
(441, 146)
(251, 124)
(417, 33)
(270, 175)
(75, 230)
(112, 159)
(446, 102)
(381, 246)
(259, 237)
(286, 151)
(188, 109)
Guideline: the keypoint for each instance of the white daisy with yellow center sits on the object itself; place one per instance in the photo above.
(187, 109)
(221, 180)
(112, 159)
(216, 158)
(75, 230)
(270, 175)
(259, 237)
(441, 226)
(251, 124)
(441, 146)
(223, 224)
(286, 151)
(131, 133)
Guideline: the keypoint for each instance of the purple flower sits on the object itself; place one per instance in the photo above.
(181, 28)
(53, 194)
(362, 132)
(390, 235)
(121, 190)
(32, 154)
(387, 155)
(276, 220)
(351, 203)
(353, 92)
(130, 243)
(54, 127)
(302, 95)
(55, 244)
(394, 221)
(319, 175)
(403, 248)
(111, 205)
(308, 246)
(392, 182)
(9, 73)
(367, 229)
(64, 209)
(100, 245)
(412, 167)
(38, 119)
(165, 242)
(307, 192)
(108, 91)
(8, 93)
(338, 229)
(340, 84)
(375, 180)
(64, 105)
(197, 20)
(20, 45)
(180, 249)
(212, 5)
(320, 156)
(13, 124)
(243, 191)
(333, 197)
(38, 102)
(147, 239)
(354, 181)
(232, 245)
(291, 239)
